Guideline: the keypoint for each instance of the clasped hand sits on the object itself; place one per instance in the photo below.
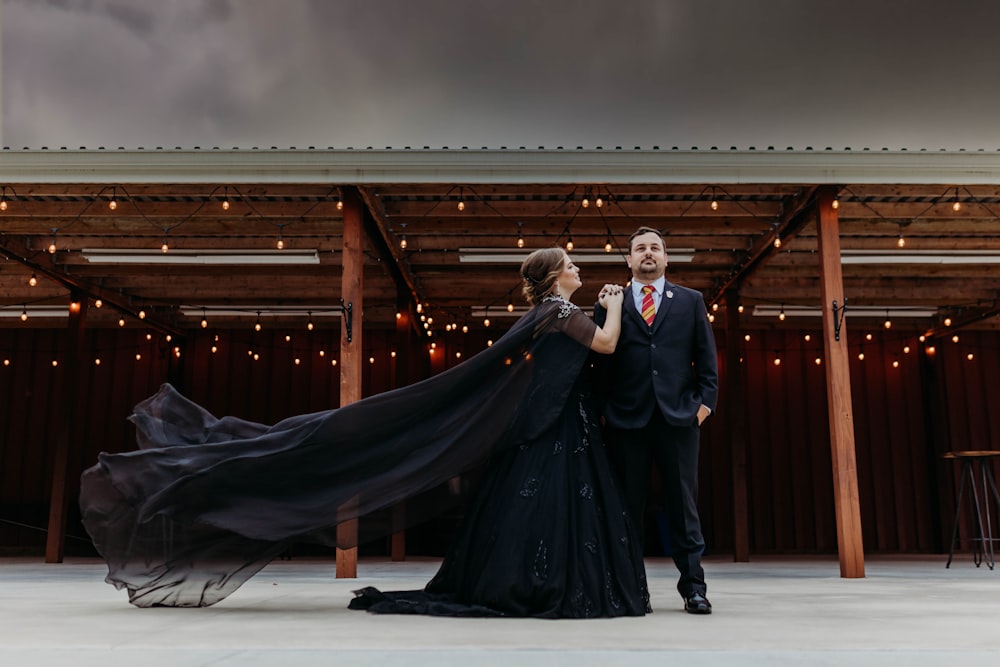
(610, 293)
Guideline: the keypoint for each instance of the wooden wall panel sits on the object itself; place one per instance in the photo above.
(905, 419)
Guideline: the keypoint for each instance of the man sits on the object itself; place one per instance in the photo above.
(662, 382)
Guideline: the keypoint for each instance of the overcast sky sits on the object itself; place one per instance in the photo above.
(840, 73)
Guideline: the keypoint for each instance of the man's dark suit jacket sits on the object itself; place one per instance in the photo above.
(672, 364)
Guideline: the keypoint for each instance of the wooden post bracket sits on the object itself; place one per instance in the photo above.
(837, 319)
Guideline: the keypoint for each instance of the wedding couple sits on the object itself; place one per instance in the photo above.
(205, 503)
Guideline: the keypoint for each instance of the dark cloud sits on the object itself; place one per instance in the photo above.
(840, 73)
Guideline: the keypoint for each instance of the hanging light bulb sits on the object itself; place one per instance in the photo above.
(711, 317)
(777, 241)
(310, 325)
(781, 315)
(947, 321)
(957, 205)
(608, 247)
(569, 244)
(888, 323)
(420, 307)
(954, 339)
(739, 308)
(98, 303)
(33, 280)
(901, 242)
(486, 319)
(52, 246)
(777, 361)
(402, 242)
(520, 236)
(24, 314)
(113, 204)
(861, 356)
(3, 199)
(510, 304)
(142, 314)
(225, 201)
(586, 202)
(257, 325)
(165, 247)
(465, 328)
(461, 200)
(204, 323)
(906, 349)
(970, 356)
(714, 205)
(598, 202)
(280, 245)
(121, 321)
(340, 205)
(835, 205)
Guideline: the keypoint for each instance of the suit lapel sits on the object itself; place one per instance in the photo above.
(631, 311)
(666, 301)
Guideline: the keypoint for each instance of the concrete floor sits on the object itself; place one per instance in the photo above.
(773, 611)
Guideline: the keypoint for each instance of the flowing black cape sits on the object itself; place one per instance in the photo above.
(205, 503)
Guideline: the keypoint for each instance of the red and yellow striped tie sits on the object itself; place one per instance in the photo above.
(648, 309)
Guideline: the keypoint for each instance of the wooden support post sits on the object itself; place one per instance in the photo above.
(838, 390)
(736, 409)
(350, 351)
(402, 378)
(67, 449)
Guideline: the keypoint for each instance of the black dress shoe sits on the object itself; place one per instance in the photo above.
(696, 603)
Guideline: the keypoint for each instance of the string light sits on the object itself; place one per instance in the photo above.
(33, 280)
(895, 363)
(739, 308)
(257, 325)
(280, 245)
(510, 303)
(569, 244)
(121, 321)
(520, 236)
(24, 314)
(486, 319)
(113, 204)
(818, 361)
(204, 319)
(98, 303)
(947, 321)
(906, 349)
(402, 242)
(957, 205)
(3, 199)
(225, 201)
(138, 356)
(52, 246)
(901, 242)
(340, 204)
(861, 356)
(807, 338)
(465, 328)
(586, 202)
(888, 323)
(598, 202)
(715, 204)
(781, 315)
(310, 325)
(461, 200)
(142, 314)
(165, 247)
(970, 356)
(97, 361)
(954, 339)
(777, 360)
(835, 204)
(608, 247)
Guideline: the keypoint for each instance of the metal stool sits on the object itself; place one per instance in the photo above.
(982, 543)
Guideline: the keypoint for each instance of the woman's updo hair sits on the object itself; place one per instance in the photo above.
(540, 270)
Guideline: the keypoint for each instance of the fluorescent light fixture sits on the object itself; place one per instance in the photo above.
(36, 311)
(852, 311)
(202, 256)
(920, 257)
(588, 256)
(316, 311)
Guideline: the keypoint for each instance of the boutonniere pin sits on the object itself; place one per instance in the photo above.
(670, 294)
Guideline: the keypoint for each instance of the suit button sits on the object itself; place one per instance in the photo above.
(653, 346)
(656, 372)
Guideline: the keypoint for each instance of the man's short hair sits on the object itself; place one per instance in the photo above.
(645, 230)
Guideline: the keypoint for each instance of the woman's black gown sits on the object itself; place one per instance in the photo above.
(205, 503)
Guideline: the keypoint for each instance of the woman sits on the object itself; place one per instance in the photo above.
(205, 503)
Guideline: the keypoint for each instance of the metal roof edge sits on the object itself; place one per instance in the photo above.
(349, 166)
